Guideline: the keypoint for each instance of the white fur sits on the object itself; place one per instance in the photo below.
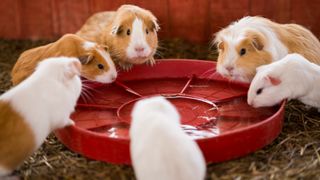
(111, 75)
(237, 33)
(89, 45)
(138, 40)
(159, 147)
(299, 80)
(46, 98)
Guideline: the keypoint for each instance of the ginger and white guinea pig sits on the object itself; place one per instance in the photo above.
(130, 33)
(159, 148)
(293, 77)
(254, 41)
(34, 108)
(96, 62)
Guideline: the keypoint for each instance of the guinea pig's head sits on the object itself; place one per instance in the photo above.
(134, 35)
(63, 69)
(241, 51)
(97, 64)
(155, 105)
(267, 88)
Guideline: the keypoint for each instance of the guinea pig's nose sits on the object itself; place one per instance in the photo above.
(229, 68)
(139, 48)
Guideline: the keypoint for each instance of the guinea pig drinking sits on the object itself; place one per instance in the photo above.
(254, 41)
(130, 33)
(34, 108)
(159, 148)
(96, 62)
(293, 77)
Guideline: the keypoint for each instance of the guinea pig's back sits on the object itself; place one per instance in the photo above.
(173, 154)
(26, 64)
(93, 28)
(17, 139)
(300, 40)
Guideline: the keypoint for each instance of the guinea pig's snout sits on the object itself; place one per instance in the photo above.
(139, 49)
(229, 69)
(113, 77)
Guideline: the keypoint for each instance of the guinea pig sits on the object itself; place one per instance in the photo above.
(293, 77)
(159, 148)
(254, 41)
(35, 107)
(96, 62)
(130, 33)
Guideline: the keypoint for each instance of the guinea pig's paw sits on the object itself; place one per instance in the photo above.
(69, 122)
(151, 61)
(125, 66)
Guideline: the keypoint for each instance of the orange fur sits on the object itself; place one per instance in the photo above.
(94, 26)
(17, 140)
(69, 45)
(297, 39)
(99, 26)
(253, 57)
(300, 40)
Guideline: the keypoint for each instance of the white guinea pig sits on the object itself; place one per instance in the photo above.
(35, 107)
(130, 33)
(293, 77)
(159, 147)
(254, 41)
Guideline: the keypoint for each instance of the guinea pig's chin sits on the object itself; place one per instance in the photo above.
(239, 78)
(138, 60)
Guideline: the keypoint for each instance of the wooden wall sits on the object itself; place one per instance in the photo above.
(194, 20)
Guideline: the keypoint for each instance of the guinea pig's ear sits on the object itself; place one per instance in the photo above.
(85, 59)
(105, 47)
(73, 69)
(220, 45)
(155, 25)
(257, 40)
(273, 80)
(117, 29)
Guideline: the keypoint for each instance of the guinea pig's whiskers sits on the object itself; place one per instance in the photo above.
(214, 74)
(207, 72)
(86, 95)
(159, 54)
(89, 88)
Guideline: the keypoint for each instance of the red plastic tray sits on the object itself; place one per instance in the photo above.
(213, 110)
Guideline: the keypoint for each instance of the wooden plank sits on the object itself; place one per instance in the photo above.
(276, 10)
(35, 19)
(9, 19)
(105, 5)
(223, 12)
(189, 20)
(72, 14)
(307, 14)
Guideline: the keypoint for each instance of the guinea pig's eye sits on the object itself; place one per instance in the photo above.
(147, 31)
(259, 91)
(128, 32)
(100, 66)
(242, 51)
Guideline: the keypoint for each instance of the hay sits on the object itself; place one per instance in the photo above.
(293, 155)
